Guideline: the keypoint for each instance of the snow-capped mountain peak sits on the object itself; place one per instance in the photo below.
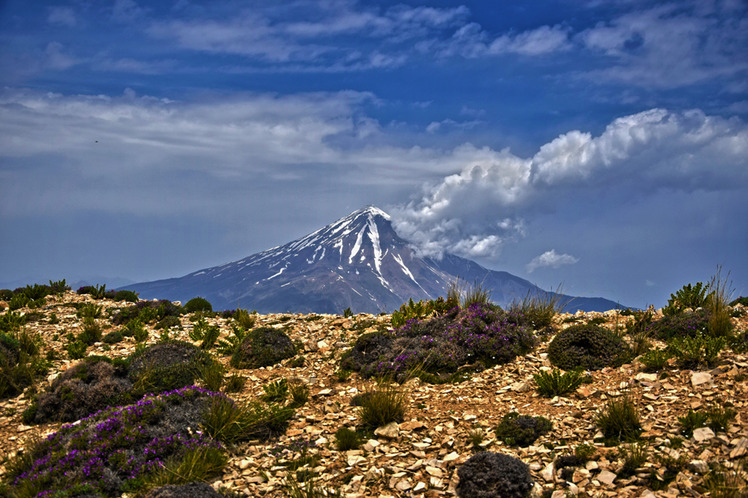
(357, 261)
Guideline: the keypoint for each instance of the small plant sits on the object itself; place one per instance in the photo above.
(521, 430)
(195, 464)
(113, 337)
(554, 383)
(720, 324)
(382, 405)
(537, 309)
(230, 344)
(263, 347)
(347, 439)
(691, 421)
(197, 304)
(342, 374)
(619, 420)
(234, 383)
(244, 319)
(275, 391)
(720, 418)
(230, 422)
(91, 331)
(347, 313)
(724, 482)
(299, 392)
(476, 437)
(633, 457)
(655, 360)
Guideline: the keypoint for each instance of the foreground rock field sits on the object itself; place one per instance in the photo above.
(420, 456)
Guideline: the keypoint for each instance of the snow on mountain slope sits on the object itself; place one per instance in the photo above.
(358, 262)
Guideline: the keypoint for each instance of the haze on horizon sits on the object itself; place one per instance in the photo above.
(598, 145)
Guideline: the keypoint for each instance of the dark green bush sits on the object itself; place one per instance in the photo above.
(197, 304)
(347, 439)
(685, 324)
(382, 405)
(655, 360)
(168, 322)
(20, 363)
(521, 430)
(125, 295)
(263, 347)
(113, 337)
(588, 347)
(494, 475)
(166, 366)
(693, 352)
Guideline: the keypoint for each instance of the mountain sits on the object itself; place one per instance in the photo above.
(358, 262)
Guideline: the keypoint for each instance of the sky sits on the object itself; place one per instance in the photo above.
(597, 146)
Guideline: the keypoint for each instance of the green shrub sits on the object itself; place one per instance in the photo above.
(521, 430)
(192, 466)
(198, 304)
(18, 301)
(275, 391)
(382, 405)
(11, 321)
(720, 418)
(422, 309)
(686, 324)
(588, 347)
(229, 422)
(89, 310)
(742, 300)
(692, 352)
(691, 421)
(687, 297)
(244, 319)
(168, 322)
(347, 439)
(299, 392)
(554, 383)
(263, 347)
(91, 331)
(655, 360)
(76, 350)
(125, 295)
(619, 420)
(720, 323)
(166, 366)
(113, 337)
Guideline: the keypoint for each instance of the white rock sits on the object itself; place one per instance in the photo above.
(701, 378)
(606, 477)
(703, 434)
(391, 430)
(547, 472)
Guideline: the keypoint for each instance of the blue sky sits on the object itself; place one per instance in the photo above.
(598, 145)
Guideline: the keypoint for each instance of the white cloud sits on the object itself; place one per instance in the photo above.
(539, 41)
(642, 154)
(670, 45)
(550, 259)
(63, 16)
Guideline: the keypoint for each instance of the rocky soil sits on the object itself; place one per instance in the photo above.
(420, 456)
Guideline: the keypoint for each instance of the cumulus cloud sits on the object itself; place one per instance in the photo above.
(550, 259)
(476, 211)
(670, 45)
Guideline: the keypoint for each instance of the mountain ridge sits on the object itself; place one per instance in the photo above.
(356, 262)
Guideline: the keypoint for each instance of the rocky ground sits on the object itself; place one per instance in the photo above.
(420, 456)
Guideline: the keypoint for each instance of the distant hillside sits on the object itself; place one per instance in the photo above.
(357, 262)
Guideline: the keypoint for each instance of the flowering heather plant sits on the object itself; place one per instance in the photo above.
(481, 335)
(117, 448)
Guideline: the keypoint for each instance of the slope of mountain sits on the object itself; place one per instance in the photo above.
(358, 262)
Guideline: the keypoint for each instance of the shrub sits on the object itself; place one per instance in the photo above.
(275, 391)
(113, 337)
(655, 360)
(189, 490)
(89, 310)
(494, 475)
(619, 420)
(589, 347)
(91, 331)
(299, 392)
(227, 421)
(263, 347)
(147, 311)
(691, 421)
(477, 337)
(20, 363)
(692, 352)
(687, 297)
(85, 388)
(521, 430)
(687, 324)
(76, 350)
(125, 295)
(234, 383)
(197, 304)
(347, 439)
(116, 449)
(166, 366)
(95, 291)
(168, 322)
(554, 383)
(382, 405)
(633, 457)
(720, 324)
